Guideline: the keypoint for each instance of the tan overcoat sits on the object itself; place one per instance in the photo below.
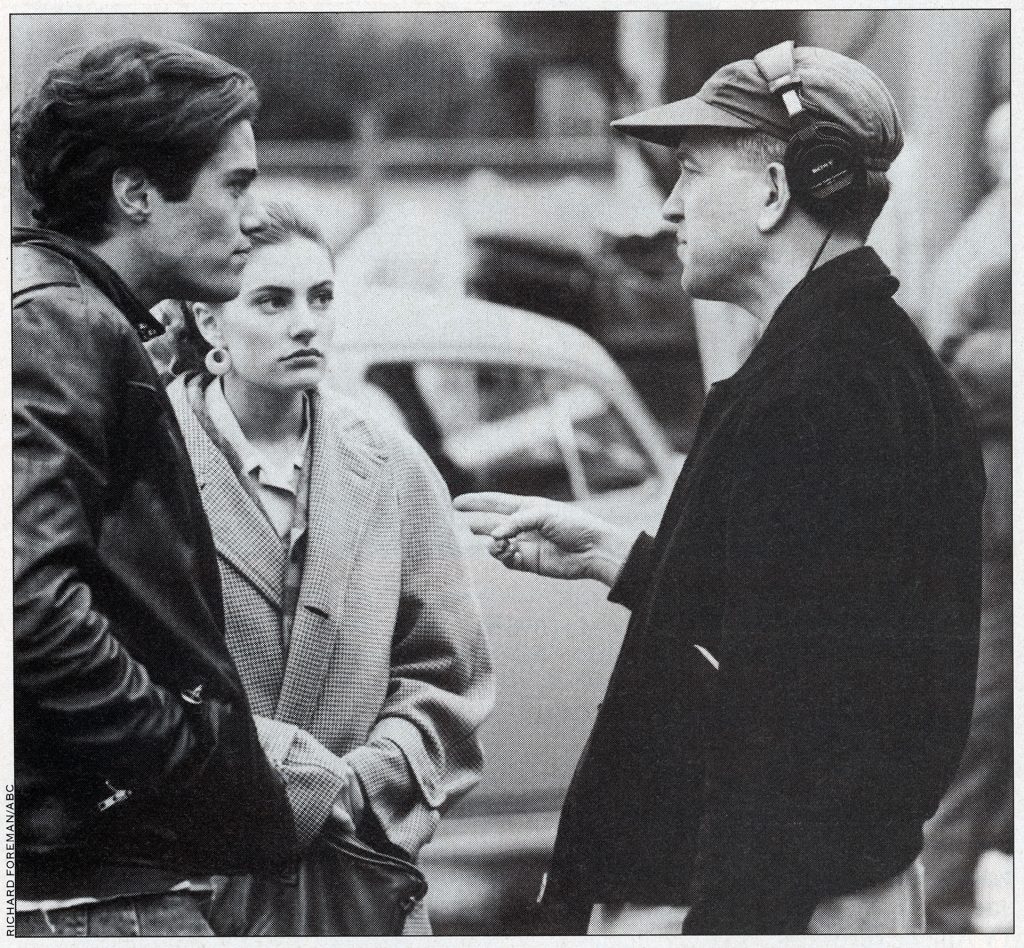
(387, 664)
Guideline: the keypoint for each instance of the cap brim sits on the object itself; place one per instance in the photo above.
(666, 124)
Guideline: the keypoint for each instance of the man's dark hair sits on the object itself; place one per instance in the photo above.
(159, 107)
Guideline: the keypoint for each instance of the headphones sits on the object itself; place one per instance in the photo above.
(824, 165)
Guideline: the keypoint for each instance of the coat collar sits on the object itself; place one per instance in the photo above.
(813, 306)
(99, 271)
(254, 463)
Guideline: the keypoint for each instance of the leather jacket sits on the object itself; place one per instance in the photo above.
(137, 762)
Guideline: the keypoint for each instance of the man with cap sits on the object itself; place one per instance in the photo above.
(795, 685)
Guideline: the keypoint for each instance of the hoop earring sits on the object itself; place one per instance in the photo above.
(218, 361)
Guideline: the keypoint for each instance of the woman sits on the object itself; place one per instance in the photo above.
(348, 607)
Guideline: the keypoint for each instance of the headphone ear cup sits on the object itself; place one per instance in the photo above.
(824, 165)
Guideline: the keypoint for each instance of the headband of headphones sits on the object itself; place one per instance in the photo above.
(778, 67)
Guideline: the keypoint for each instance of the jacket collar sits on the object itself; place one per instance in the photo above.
(99, 271)
(267, 471)
(813, 306)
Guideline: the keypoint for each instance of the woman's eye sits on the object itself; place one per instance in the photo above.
(322, 298)
(271, 304)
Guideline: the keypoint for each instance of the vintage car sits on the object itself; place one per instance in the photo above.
(502, 399)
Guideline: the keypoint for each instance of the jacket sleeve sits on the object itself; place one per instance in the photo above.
(423, 752)
(635, 576)
(311, 773)
(809, 669)
(99, 706)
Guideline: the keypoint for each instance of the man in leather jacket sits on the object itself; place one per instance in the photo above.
(138, 769)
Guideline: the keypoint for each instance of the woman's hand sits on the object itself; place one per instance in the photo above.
(350, 802)
(547, 537)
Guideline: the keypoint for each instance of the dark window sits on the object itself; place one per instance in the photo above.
(515, 429)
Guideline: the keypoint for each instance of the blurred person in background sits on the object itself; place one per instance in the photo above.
(348, 604)
(795, 685)
(138, 771)
(970, 321)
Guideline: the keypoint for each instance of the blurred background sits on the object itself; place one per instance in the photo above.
(469, 154)
(493, 127)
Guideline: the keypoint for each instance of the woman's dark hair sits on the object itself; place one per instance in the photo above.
(280, 222)
(159, 107)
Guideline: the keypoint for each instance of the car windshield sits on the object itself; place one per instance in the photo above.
(515, 428)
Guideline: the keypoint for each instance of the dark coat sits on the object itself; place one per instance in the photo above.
(123, 681)
(823, 544)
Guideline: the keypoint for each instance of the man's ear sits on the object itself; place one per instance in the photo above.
(776, 197)
(208, 323)
(132, 198)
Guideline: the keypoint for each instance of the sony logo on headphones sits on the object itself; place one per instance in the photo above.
(822, 166)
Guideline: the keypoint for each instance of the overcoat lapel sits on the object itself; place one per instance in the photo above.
(242, 532)
(347, 476)
(244, 537)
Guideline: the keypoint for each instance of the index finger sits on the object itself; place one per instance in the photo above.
(482, 524)
(488, 502)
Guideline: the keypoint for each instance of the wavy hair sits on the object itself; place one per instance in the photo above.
(160, 107)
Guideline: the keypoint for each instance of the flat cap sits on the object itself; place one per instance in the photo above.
(833, 87)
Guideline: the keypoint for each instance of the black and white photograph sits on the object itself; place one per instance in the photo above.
(510, 472)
